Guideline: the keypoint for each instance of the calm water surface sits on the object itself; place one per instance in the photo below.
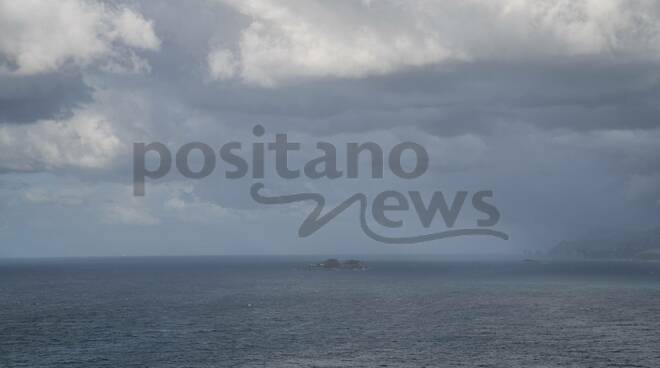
(270, 312)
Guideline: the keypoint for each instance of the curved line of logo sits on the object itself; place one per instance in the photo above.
(315, 221)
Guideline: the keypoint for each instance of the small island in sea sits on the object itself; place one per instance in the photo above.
(335, 264)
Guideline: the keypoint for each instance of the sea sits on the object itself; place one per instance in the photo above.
(275, 312)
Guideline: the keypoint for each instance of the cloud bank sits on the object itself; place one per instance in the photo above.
(293, 39)
(550, 104)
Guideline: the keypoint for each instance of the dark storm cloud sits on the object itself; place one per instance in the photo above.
(25, 99)
(578, 95)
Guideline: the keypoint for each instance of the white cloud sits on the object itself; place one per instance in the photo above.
(292, 39)
(42, 36)
(174, 201)
(86, 141)
(187, 206)
(134, 30)
(222, 64)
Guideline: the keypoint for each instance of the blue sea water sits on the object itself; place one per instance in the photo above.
(271, 312)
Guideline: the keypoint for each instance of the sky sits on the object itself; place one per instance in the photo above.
(551, 105)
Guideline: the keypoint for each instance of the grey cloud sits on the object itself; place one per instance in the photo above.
(39, 97)
(581, 93)
(467, 98)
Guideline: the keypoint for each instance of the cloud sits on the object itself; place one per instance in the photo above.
(134, 30)
(643, 187)
(43, 36)
(551, 104)
(70, 196)
(188, 207)
(86, 141)
(629, 151)
(25, 99)
(293, 39)
(222, 64)
(129, 215)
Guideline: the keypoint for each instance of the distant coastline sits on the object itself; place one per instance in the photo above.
(639, 246)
